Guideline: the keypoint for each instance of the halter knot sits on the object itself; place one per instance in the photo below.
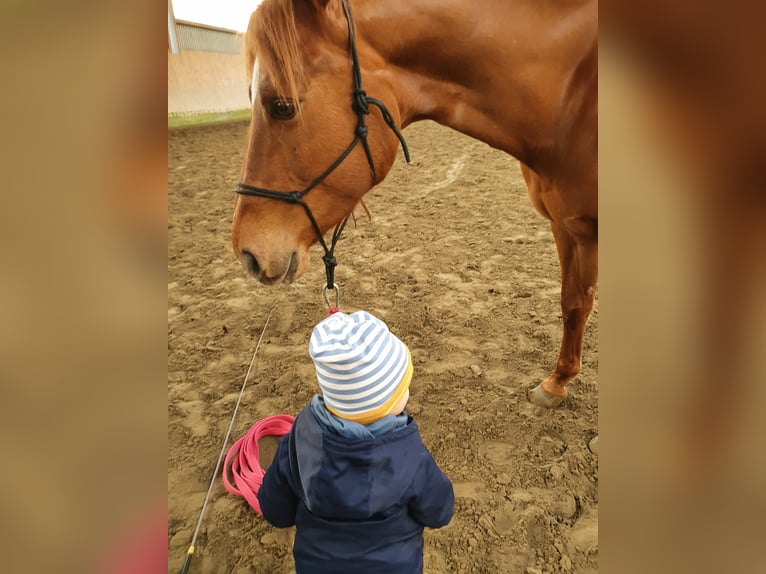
(360, 102)
(361, 131)
(329, 268)
(294, 196)
(329, 260)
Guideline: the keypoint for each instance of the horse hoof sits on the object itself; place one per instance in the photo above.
(543, 398)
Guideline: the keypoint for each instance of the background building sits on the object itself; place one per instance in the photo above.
(206, 69)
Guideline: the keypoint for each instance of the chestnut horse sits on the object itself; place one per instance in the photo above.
(520, 75)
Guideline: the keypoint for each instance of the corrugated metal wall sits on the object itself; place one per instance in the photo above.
(203, 39)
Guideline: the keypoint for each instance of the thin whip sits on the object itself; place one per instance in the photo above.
(190, 552)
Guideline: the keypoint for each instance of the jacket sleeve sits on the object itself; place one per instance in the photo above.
(434, 501)
(278, 501)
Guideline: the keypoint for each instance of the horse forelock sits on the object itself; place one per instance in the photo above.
(272, 39)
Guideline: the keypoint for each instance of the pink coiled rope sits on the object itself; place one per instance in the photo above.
(245, 464)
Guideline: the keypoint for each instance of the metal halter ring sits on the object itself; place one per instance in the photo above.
(337, 295)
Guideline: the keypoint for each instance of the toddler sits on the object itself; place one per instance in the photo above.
(353, 475)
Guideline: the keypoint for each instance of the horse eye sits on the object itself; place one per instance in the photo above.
(282, 109)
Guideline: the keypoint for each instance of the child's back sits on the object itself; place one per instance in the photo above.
(359, 493)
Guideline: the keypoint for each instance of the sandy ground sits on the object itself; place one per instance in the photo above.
(463, 269)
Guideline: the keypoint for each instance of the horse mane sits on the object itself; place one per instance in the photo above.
(272, 38)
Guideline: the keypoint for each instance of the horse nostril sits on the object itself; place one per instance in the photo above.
(251, 263)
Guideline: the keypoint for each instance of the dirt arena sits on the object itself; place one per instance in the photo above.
(462, 268)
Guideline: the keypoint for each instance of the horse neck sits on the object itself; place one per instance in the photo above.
(501, 72)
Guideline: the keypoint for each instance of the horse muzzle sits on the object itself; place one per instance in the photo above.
(269, 272)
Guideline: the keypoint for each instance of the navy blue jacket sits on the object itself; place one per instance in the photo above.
(358, 505)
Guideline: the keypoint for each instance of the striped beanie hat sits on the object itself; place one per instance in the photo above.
(362, 368)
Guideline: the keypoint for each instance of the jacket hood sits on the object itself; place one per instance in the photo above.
(352, 479)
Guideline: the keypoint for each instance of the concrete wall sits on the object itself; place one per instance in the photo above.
(200, 82)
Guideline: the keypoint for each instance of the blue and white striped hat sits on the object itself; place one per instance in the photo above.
(362, 368)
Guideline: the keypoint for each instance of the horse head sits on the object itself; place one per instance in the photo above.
(306, 114)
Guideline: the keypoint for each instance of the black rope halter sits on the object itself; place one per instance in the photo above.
(361, 106)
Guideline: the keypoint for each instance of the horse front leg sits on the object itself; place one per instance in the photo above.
(578, 255)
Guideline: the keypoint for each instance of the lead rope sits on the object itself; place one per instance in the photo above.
(243, 459)
(190, 551)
